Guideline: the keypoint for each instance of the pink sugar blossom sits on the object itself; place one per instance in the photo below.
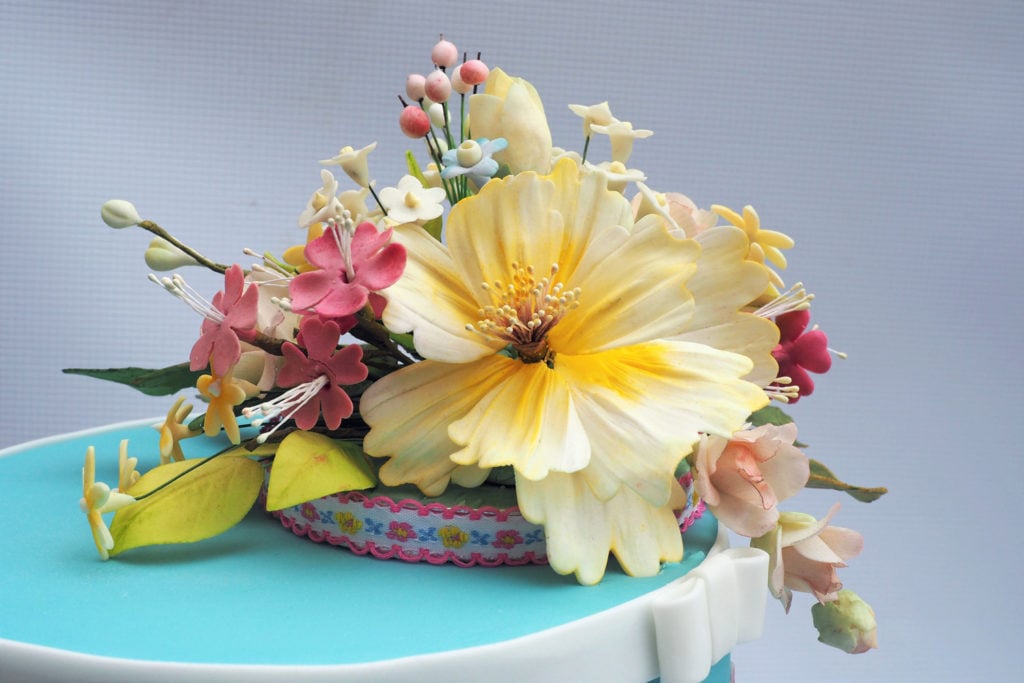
(742, 479)
(800, 351)
(349, 267)
(231, 319)
(322, 359)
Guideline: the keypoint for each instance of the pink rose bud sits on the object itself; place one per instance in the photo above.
(438, 87)
(414, 121)
(414, 86)
(444, 54)
(474, 72)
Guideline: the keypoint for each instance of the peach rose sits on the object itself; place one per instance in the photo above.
(742, 479)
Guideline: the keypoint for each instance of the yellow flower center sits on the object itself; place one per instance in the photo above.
(523, 311)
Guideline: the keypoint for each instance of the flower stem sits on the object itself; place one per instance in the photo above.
(160, 232)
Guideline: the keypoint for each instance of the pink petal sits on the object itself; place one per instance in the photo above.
(296, 369)
(335, 406)
(802, 380)
(346, 365)
(811, 351)
(383, 268)
(307, 415)
(792, 324)
(367, 241)
(307, 289)
(226, 351)
(234, 279)
(200, 355)
(344, 299)
(323, 253)
(320, 337)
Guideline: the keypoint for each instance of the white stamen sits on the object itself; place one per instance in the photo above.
(343, 231)
(285, 405)
(177, 286)
(796, 298)
(782, 390)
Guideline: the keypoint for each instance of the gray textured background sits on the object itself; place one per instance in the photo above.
(885, 138)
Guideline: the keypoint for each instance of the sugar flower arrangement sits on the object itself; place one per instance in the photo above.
(509, 313)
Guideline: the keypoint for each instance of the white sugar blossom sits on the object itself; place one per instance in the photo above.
(354, 163)
(324, 204)
(616, 174)
(410, 202)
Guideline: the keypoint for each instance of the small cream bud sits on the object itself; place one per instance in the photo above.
(118, 213)
(162, 256)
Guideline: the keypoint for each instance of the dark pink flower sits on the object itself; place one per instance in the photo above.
(350, 265)
(322, 359)
(232, 316)
(800, 352)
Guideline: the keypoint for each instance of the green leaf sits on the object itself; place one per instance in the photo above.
(199, 499)
(434, 226)
(152, 382)
(404, 340)
(769, 415)
(823, 478)
(310, 465)
(414, 168)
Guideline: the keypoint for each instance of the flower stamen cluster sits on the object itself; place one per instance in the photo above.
(525, 310)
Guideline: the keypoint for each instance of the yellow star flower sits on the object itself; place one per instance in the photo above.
(224, 393)
(764, 244)
(97, 498)
(173, 431)
(548, 324)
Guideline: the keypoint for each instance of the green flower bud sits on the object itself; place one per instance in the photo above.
(847, 623)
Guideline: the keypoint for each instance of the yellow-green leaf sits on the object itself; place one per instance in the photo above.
(823, 478)
(309, 466)
(205, 498)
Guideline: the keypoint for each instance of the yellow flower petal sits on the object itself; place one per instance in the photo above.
(410, 412)
(723, 284)
(529, 421)
(621, 303)
(580, 529)
(431, 300)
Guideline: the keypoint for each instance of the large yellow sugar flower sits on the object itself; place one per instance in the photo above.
(562, 339)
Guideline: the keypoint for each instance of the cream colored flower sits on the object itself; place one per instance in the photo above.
(622, 135)
(595, 114)
(354, 163)
(324, 204)
(677, 209)
(616, 174)
(510, 108)
(410, 202)
(544, 321)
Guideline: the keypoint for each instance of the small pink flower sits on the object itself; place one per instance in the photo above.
(350, 265)
(400, 531)
(322, 359)
(233, 316)
(800, 351)
(804, 554)
(507, 538)
(743, 479)
(308, 511)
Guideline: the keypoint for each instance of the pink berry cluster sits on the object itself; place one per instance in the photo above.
(437, 86)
